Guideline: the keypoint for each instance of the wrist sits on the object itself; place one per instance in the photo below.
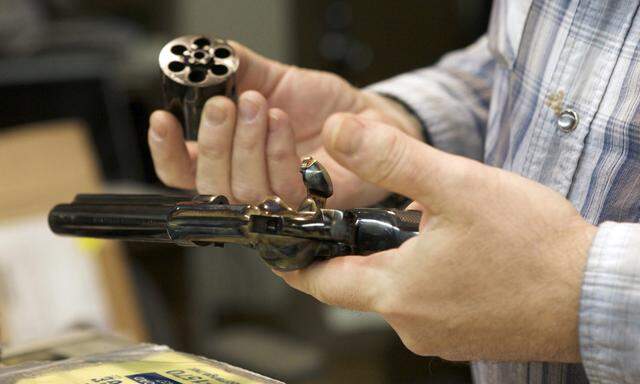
(398, 113)
(576, 246)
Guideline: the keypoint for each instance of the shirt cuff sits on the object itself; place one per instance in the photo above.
(441, 127)
(610, 306)
(411, 110)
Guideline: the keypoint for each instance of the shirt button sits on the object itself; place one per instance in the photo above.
(567, 121)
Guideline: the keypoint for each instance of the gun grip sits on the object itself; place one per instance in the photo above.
(381, 229)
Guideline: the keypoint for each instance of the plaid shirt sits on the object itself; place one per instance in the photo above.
(552, 92)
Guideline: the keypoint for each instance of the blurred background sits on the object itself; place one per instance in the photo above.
(78, 80)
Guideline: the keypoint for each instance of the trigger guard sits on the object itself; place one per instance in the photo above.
(298, 255)
(288, 257)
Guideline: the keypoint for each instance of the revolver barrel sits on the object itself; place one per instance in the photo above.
(127, 217)
(184, 220)
(287, 239)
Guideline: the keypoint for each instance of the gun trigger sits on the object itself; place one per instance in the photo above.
(211, 199)
(273, 206)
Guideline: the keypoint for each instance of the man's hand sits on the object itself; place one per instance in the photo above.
(252, 151)
(496, 270)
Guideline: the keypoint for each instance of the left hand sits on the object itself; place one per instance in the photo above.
(251, 149)
(496, 271)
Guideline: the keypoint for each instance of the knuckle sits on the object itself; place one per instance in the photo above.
(335, 83)
(160, 154)
(292, 195)
(453, 356)
(206, 187)
(172, 181)
(218, 102)
(280, 189)
(329, 296)
(376, 114)
(362, 299)
(253, 94)
(164, 178)
(320, 294)
(460, 176)
(246, 194)
(414, 340)
(247, 143)
(278, 155)
(383, 167)
(213, 149)
(292, 278)
(388, 305)
(336, 117)
(416, 347)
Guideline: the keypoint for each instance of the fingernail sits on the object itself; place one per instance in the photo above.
(346, 135)
(248, 109)
(215, 112)
(158, 132)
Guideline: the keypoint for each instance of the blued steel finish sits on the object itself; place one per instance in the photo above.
(287, 239)
(318, 183)
(194, 69)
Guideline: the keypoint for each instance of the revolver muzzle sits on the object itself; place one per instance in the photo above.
(128, 217)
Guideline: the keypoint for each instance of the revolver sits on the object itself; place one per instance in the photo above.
(195, 68)
(286, 238)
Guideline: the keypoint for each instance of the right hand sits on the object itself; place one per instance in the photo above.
(253, 151)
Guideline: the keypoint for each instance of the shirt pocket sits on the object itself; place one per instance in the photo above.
(506, 26)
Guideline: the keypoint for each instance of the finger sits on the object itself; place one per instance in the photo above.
(283, 162)
(249, 178)
(215, 140)
(171, 159)
(256, 71)
(391, 159)
(353, 282)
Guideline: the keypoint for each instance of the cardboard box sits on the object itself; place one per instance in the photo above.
(49, 283)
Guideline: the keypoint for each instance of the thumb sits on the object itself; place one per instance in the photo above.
(256, 72)
(385, 156)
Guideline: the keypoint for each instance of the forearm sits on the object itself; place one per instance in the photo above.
(449, 100)
(404, 118)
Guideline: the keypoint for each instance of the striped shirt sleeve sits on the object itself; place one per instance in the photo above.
(451, 99)
(610, 306)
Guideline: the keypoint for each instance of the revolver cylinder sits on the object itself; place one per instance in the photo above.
(195, 68)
